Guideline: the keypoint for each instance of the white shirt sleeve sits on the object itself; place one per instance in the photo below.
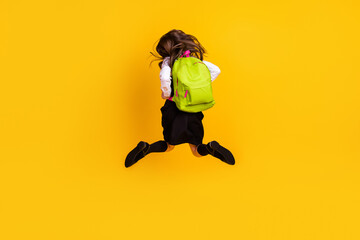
(214, 70)
(165, 77)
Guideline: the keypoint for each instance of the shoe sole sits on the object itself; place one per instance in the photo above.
(229, 158)
(130, 158)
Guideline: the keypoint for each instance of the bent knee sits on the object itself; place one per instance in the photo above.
(170, 147)
(196, 154)
(194, 150)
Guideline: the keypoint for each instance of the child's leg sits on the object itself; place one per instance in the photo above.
(194, 150)
(215, 149)
(169, 147)
(144, 148)
(159, 146)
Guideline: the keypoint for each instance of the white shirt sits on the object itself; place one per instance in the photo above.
(165, 75)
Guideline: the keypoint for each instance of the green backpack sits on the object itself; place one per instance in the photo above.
(192, 84)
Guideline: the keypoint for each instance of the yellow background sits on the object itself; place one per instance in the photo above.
(77, 94)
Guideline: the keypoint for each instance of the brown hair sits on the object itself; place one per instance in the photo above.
(174, 43)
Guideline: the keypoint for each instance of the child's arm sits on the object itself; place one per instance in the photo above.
(214, 70)
(165, 78)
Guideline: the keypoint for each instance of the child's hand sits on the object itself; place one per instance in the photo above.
(162, 95)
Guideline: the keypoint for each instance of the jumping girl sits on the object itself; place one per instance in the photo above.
(179, 126)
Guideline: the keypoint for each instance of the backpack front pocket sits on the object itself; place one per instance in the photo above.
(199, 95)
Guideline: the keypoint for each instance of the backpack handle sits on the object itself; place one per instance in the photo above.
(187, 53)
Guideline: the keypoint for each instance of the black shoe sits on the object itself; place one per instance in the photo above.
(137, 153)
(220, 152)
